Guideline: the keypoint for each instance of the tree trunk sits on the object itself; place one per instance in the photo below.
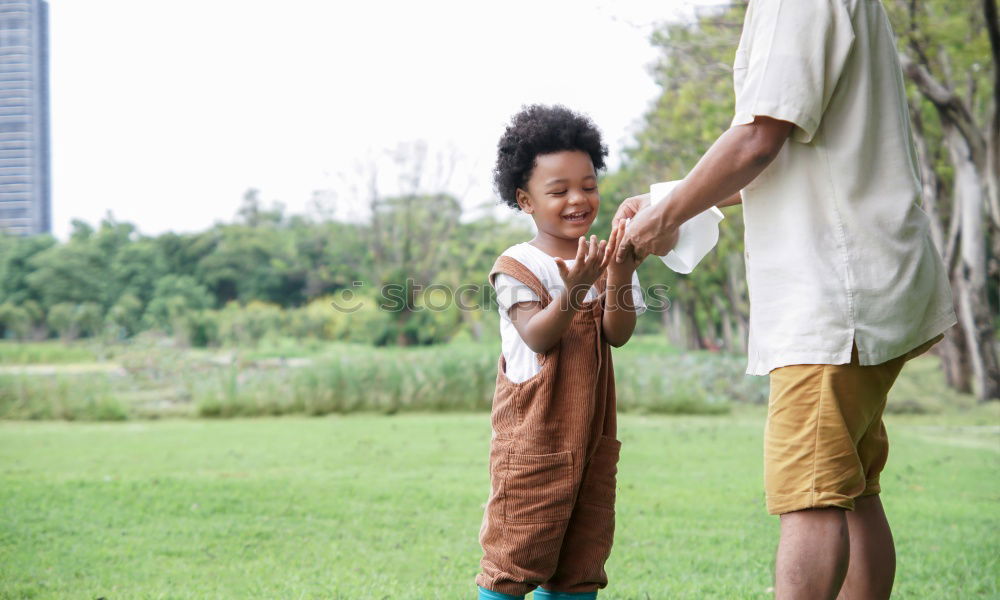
(673, 324)
(992, 21)
(725, 312)
(736, 292)
(968, 152)
(696, 339)
(953, 350)
(970, 269)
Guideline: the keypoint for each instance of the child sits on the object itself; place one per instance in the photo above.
(549, 522)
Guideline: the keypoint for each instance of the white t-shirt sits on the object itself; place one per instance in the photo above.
(837, 247)
(522, 363)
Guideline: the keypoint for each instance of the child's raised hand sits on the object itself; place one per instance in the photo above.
(625, 267)
(591, 260)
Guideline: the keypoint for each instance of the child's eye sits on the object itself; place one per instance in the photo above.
(590, 189)
(560, 193)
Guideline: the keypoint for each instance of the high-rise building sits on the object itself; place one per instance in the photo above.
(25, 206)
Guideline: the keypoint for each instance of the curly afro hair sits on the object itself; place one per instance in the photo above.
(536, 130)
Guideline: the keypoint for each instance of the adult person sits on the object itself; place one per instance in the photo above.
(844, 280)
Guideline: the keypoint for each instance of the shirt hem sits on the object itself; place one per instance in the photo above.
(758, 365)
(944, 321)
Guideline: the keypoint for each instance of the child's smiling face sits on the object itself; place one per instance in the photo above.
(561, 194)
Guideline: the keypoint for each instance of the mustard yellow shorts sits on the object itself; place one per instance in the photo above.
(825, 443)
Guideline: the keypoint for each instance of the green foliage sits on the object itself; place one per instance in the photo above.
(16, 253)
(134, 271)
(15, 320)
(174, 299)
(246, 325)
(267, 274)
(70, 273)
(62, 320)
(125, 316)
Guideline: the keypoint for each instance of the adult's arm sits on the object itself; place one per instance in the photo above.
(734, 160)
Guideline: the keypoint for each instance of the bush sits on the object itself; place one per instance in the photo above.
(240, 325)
(15, 321)
(692, 383)
(70, 398)
(358, 379)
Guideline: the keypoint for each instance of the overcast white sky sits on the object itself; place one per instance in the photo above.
(166, 112)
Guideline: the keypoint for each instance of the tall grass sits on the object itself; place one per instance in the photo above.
(652, 378)
(29, 353)
(66, 397)
(448, 378)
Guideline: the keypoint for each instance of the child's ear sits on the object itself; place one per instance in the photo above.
(524, 201)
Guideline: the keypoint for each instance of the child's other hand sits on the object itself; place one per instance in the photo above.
(591, 260)
(620, 270)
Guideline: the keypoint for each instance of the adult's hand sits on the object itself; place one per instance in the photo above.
(646, 235)
(629, 209)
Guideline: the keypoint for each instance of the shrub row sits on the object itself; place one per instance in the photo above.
(354, 378)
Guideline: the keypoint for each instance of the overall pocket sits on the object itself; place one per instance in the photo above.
(538, 488)
(600, 477)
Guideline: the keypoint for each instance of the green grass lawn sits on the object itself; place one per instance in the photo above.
(378, 507)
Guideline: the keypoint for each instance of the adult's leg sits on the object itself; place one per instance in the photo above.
(813, 554)
(873, 555)
(830, 457)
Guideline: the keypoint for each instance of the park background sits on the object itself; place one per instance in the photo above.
(158, 391)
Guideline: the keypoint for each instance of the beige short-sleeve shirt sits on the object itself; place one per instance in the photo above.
(838, 249)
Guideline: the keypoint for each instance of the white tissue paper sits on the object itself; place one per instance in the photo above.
(697, 236)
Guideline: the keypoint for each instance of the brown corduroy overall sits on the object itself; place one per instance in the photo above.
(550, 518)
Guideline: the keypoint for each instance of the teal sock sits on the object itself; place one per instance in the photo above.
(544, 594)
(485, 594)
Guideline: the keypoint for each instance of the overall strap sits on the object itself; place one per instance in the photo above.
(514, 268)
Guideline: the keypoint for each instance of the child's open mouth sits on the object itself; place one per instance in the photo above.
(577, 217)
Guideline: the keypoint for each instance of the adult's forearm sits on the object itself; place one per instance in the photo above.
(734, 160)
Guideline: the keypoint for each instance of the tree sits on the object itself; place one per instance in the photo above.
(80, 270)
(134, 270)
(126, 316)
(16, 253)
(175, 298)
(15, 321)
(407, 229)
(62, 320)
(709, 307)
(69, 320)
(951, 57)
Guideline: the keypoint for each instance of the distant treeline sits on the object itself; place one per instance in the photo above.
(266, 273)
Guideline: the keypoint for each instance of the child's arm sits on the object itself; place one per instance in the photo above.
(542, 328)
(619, 309)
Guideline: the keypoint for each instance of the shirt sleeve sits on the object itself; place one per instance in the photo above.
(510, 291)
(793, 56)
